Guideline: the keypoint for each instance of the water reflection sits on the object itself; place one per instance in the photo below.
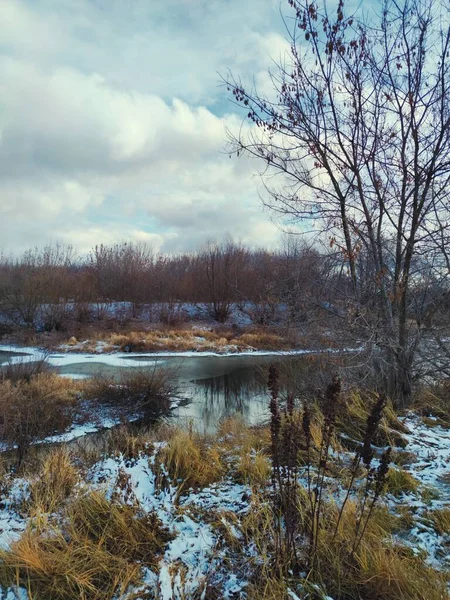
(240, 391)
(212, 387)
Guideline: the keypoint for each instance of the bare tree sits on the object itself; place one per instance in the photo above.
(221, 263)
(358, 131)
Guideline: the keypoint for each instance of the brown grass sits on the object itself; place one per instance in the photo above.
(180, 340)
(24, 370)
(191, 461)
(32, 410)
(97, 554)
(54, 483)
(441, 520)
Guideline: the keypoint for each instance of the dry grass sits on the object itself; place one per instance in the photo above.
(191, 461)
(235, 435)
(32, 410)
(441, 520)
(130, 445)
(353, 423)
(379, 569)
(97, 554)
(270, 588)
(23, 371)
(434, 402)
(180, 340)
(400, 482)
(54, 483)
(253, 468)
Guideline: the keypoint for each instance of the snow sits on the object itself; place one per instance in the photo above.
(194, 544)
(12, 523)
(139, 359)
(196, 552)
(431, 446)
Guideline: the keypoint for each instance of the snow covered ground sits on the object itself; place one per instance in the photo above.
(198, 554)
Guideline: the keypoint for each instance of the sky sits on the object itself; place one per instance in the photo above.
(113, 121)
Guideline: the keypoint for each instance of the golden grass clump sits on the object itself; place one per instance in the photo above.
(253, 468)
(269, 588)
(181, 339)
(354, 421)
(130, 445)
(54, 483)
(441, 520)
(235, 434)
(191, 461)
(399, 481)
(263, 340)
(377, 569)
(95, 555)
(434, 402)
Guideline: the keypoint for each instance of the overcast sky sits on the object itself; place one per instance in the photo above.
(112, 120)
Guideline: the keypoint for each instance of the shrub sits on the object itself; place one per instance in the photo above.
(23, 370)
(141, 390)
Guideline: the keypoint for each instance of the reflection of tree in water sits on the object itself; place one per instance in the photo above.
(228, 394)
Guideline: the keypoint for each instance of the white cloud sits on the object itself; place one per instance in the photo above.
(109, 125)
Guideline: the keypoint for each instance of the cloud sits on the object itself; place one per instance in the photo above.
(112, 124)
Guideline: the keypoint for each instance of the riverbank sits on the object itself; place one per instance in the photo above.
(157, 340)
(164, 513)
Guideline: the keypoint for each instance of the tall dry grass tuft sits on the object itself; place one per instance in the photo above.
(441, 520)
(54, 483)
(302, 514)
(253, 468)
(131, 445)
(434, 402)
(377, 569)
(32, 410)
(191, 461)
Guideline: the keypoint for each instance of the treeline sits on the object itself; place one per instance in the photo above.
(47, 285)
